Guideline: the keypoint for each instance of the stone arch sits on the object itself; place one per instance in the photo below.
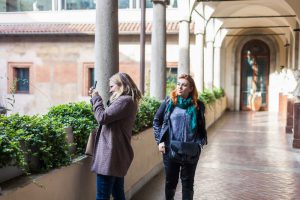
(273, 45)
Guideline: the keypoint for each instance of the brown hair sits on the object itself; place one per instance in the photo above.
(193, 94)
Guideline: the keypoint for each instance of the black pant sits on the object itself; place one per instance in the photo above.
(187, 174)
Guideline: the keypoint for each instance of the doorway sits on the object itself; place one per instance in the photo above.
(255, 66)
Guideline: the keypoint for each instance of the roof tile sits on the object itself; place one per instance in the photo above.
(57, 28)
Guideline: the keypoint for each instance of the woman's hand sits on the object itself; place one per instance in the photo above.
(161, 148)
(93, 92)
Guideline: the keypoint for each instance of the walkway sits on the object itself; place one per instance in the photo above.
(249, 157)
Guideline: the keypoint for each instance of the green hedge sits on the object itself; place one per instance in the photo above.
(80, 117)
(23, 138)
(148, 107)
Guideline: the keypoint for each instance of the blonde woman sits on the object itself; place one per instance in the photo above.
(114, 154)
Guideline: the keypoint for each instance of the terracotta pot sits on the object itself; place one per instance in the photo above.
(256, 102)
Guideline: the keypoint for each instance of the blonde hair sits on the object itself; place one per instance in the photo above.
(126, 87)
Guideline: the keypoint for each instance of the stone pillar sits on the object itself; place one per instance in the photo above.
(289, 115)
(59, 5)
(184, 37)
(296, 141)
(158, 50)
(217, 67)
(208, 65)
(199, 68)
(297, 48)
(184, 47)
(291, 52)
(106, 44)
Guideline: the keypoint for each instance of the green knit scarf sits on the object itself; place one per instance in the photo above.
(190, 110)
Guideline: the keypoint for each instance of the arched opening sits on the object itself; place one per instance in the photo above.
(255, 67)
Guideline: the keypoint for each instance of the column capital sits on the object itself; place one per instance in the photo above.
(166, 2)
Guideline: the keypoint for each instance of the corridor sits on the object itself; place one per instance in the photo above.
(249, 156)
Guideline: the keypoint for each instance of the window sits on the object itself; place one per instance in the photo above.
(22, 80)
(88, 77)
(173, 4)
(172, 69)
(149, 4)
(78, 4)
(19, 78)
(91, 77)
(123, 4)
(22, 5)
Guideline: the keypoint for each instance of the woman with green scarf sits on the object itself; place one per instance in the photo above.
(179, 129)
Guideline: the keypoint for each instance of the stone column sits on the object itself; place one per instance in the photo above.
(291, 53)
(59, 5)
(289, 115)
(106, 44)
(296, 125)
(296, 141)
(217, 67)
(296, 47)
(184, 37)
(197, 64)
(158, 50)
(199, 68)
(209, 64)
(184, 47)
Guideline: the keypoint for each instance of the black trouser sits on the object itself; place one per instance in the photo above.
(187, 174)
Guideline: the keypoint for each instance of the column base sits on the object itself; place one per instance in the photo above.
(296, 143)
(289, 115)
(289, 129)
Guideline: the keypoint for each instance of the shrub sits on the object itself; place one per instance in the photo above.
(26, 137)
(207, 97)
(80, 117)
(171, 85)
(218, 92)
(144, 118)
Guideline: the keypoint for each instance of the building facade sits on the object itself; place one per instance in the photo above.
(48, 48)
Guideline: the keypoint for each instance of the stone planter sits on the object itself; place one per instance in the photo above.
(209, 114)
(218, 109)
(34, 163)
(224, 103)
(77, 182)
(9, 172)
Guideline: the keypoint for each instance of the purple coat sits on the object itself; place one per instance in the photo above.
(114, 153)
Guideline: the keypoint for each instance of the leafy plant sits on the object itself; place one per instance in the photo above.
(144, 118)
(171, 85)
(207, 97)
(218, 92)
(80, 117)
(29, 137)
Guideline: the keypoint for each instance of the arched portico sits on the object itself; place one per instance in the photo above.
(233, 69)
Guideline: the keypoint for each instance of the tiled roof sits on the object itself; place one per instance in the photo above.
(89, 29)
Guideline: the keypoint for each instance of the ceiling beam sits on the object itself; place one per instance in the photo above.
(252, 16)
(217, 0)
(258, 34)
(254, 27)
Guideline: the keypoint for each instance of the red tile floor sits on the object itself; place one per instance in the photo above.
(249, 156)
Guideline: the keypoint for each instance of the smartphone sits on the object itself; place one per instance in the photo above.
(95, 84)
